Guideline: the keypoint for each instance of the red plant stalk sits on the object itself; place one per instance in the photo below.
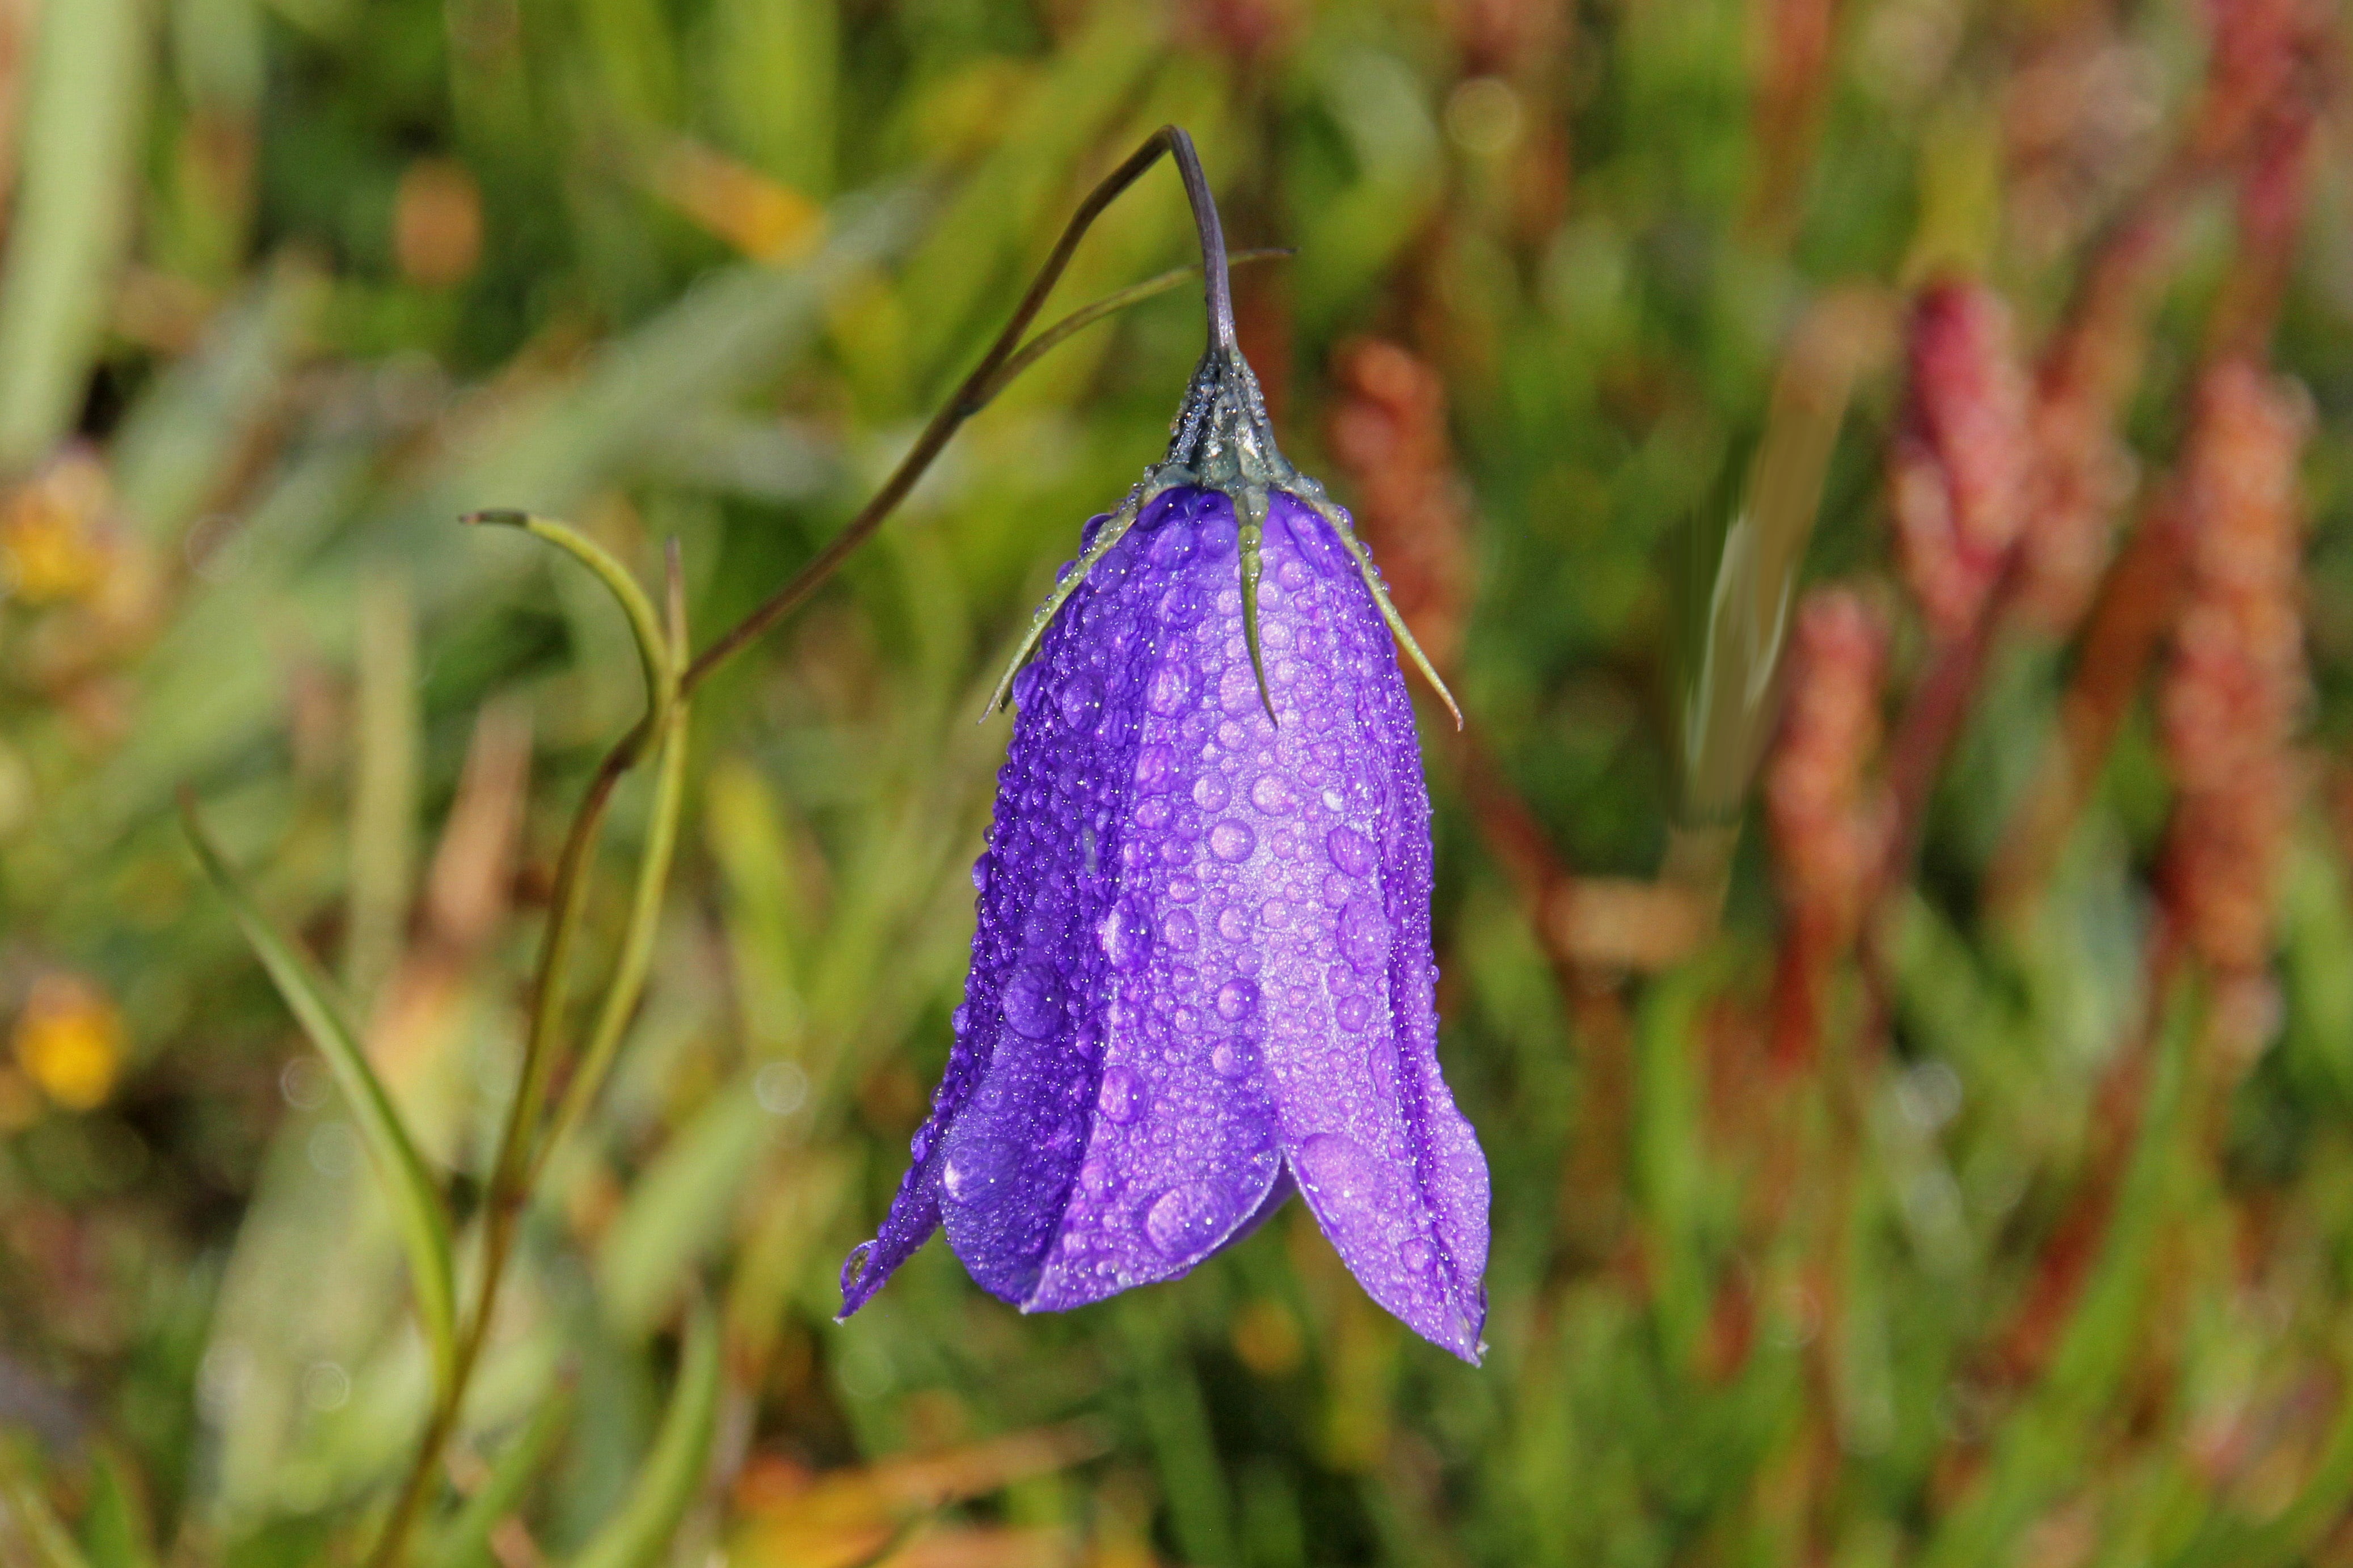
(1828, 820)
(2234, 686)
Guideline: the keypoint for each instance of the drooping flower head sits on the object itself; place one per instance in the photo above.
(1202, 977)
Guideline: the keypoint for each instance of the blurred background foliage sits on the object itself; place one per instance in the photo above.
(1951, 1167)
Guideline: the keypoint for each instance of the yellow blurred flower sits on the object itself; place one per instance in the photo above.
(51, 546)
(69, 1040)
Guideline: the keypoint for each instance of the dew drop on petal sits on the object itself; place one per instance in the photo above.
(1416, 1255)
(1232, 1058)
(1350, 851)
(1172, 544)
(1236, 1000)
(976, 1165)
(1210, 792)
(1032, 1000)
(1183, 889)
(1352, 1012)
(1155, 764)
(1126, 934)
(1167, 690)
(1121, 1094)
(1180, 931)
(1273, 795)
(1364, 934)
(1185, 1220)
(1232, 840)
(1336, 1167)
(1234, 922)
(1078, 700)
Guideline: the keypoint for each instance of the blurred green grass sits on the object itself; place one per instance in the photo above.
(287, 285)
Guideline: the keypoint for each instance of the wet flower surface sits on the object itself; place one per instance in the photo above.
(1203, 972)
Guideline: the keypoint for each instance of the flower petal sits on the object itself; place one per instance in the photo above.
(1391, 1169)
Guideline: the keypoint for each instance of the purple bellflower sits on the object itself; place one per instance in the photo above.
(1202, 977)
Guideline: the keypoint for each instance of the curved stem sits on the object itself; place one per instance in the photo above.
(970, 397)
(1218, 289)
(513, 1166)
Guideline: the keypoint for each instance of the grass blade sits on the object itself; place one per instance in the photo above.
(466, 1542)
(636, 1535)
(416, 1206)
(82, 141)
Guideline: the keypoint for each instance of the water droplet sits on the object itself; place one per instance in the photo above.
(1416, 1255)
(1183, 889)
(976, 1165)
(1336, 1167)
(1275, 913)
(1232, 841)
(1178, 927)
(1172, 544)
(1169, 688)
(1079, 699)
(1210, 792)
(1352, 1012)
(1237, 690)
(1186, 1220)
(1236, 998)
(1350, 851)
(980, 875)
(1026, 682)
(1126, 934)
(1097, 1176)
(1363, 933)
(1032, 1000)
(1271, 794)
(1152, 812)
(961, 1019)
(1155, 764)
(1121, 1094)
(1232, 1058)
(1218, 533)
(1234, 922)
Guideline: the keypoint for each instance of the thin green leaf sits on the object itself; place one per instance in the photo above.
(416, 1205)
(636, 957)
(1111, 305)
(26, 1514)
(636, 1535)
(466, 1542)
(645, 625)
(80, 137)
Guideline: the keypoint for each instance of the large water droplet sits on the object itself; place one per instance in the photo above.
(1186, 1220)
(1350, 851)
(1334, 1167)
(1181, 931)
(980, 869)
(1121, 1094)
(1173, 543)
(1271, 794)
(1155, 764)
(1364, 934)
(1232, 1058)
(1235, 922)
(976, 1165)
(1125, 933)
(1232, 841)
(1236, 1000)
(1079, 699)
(1210, 792)
(1169, 687)
(1032, 1000)
(1352, 1012)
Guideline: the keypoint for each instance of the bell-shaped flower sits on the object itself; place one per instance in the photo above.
(1202, 977)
